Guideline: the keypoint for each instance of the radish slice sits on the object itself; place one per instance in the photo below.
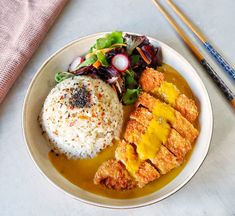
(74, 64)
(120, 62)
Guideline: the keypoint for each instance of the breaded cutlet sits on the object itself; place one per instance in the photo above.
(177, 121)
(178, 145)
(113, 175)
(142, 171)
(162, 165)
(133, 131)
(154, 82)
(165, 161)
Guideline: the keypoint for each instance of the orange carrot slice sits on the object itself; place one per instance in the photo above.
(143, 55)
(97, 64)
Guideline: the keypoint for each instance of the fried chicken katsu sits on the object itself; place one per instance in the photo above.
(163, 159)
(142, 171)
(113, 174)
(178, 145)
(154, 82)
(161, 109)
(156, 140)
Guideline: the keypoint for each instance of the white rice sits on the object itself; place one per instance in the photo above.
(81, 132)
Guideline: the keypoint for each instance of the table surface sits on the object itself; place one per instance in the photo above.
(24, 191)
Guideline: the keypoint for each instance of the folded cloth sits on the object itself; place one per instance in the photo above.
(23, 25)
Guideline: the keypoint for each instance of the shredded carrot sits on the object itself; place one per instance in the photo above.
(95, 51)
(97, 64)
(143, 55)
(104, 50)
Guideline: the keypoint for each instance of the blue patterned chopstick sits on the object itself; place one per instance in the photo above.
(210, 71)
(219, 59)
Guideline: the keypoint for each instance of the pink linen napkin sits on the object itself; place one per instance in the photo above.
(23, 25)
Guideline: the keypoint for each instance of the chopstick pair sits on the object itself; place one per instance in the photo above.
(216, 78)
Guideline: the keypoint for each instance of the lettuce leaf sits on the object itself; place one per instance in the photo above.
(134, 60)
(130, 81)
(101, 57)
(108, 40)
(133, 41)
(61, 76)
(91, 60)
(130, 96)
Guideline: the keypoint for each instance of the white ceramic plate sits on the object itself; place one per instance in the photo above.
(39, 88)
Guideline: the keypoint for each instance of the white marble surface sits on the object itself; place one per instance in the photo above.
(24, 191)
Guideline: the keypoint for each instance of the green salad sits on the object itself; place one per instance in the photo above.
(118, 60)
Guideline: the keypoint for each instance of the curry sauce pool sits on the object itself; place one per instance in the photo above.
(81, 172)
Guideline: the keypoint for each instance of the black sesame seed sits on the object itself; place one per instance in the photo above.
(80, 98)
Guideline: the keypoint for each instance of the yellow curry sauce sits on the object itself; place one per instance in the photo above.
(81, 172)
(151, 140)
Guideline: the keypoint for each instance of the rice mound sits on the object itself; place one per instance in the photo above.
(81, 116)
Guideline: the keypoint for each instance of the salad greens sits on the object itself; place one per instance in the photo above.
(101, 57)
(133, 41)
(119, 61)
(130, 81)
(131, 96)
(91, 60)
(61, 76)
(135, 59)
(108, 41)
(132, 88)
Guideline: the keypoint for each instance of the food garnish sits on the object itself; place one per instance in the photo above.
(102, 59)
(109, 40)
(143, 56)
(118, 60)
(89, 61)
(134, 41)
(75, 63)
(97, 64)
(130, 96)
(61, 76)
(130, 81)
(80, 98)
